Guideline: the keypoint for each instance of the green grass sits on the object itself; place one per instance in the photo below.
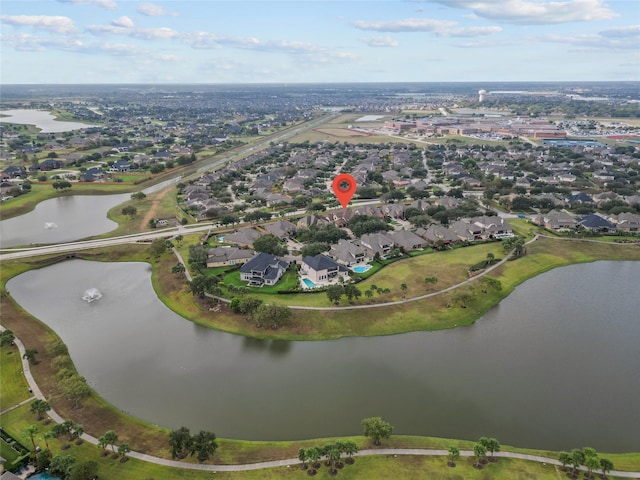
(14, 387)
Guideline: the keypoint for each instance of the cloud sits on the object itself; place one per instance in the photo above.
(33, 43)
(123, 21)
(442, 28)
(595, 41)
(55, 24)
(538, 12)
(622, 32)
(152, 10)
(385, 41)
(155, 33)
(108, 4)
(407, 25)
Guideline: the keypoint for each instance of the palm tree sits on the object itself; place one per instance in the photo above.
(30, 354)
(350, 448)
(303, 457)
(606, 466)
(577, 458)
(491, 258)
(103, 443)
(32, 431)
(591, 462)
(48, 436)
(40, 407)
(565, 459)
(111, 437)
(123, 449)
(479, 451)
(454, 454)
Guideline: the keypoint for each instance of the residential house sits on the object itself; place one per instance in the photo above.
(407, 240)
(626, 221)
(556, 220)
(263, 269)
(306, 222)
(281, 229)
(224, 256)
(348, 253)
(243, 237)
(377, 243)
(437, 233)
(596, 223)
(321, 269)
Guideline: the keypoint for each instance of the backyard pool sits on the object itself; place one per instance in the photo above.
(308, 283)
(361, 268)
(43, 476)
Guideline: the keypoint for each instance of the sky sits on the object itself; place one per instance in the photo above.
(305, 41)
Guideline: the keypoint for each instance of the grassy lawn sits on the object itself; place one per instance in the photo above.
(14, 387)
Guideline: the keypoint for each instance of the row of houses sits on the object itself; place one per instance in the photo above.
(561, 220)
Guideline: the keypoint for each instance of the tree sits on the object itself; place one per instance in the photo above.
(43, 459)
(492, 445)
(269, 244)
(103, 443)
(303, 457)
(84, 471)
(334, 292)
(565, 459)
(75, 388)
(454, 454)
(368, 294)
(111, 437)
(123, 449)
(351, 291)
(430, 280)
(32, 431)
(138, 196)
(62, 465)
(577, 459)
(403, 287)
(48, 436)
(376, 429)
(59, 430)
(158, 247)
(479, 451)
(350, 448)
(591, 462)
(30, 355)
(40, 407)
(6, 338)
(178, 268)
(491, 258)
(204, 444)
(606, 466)
(130, 211)
(179, 442)
(273, 315)
(198, 256)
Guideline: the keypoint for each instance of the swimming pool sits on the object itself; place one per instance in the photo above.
(309, 283)
(361, 268)
(43, 476)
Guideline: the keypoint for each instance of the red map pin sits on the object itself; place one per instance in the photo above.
(344, 186)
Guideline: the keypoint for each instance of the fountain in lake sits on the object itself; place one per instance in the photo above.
(50, 225)
(91, 295)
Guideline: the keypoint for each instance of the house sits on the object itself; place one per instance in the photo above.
(224, 256)
(281, 229)
(580, 198)
(15, 171)
(491, 225)
(50, 164)
(378, 243)
(596, 223)
(243, 237)
(408, 240)
(322, 269)
(348, 253)
(263, 269)
(437, 233)
(627, 222)
(309, 220)
(556, 220)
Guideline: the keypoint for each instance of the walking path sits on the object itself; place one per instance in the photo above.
(37, 393)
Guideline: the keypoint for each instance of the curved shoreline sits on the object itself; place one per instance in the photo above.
(37, 393)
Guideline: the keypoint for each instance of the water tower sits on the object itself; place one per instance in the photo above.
(481, 95)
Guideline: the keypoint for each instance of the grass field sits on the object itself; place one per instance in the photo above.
(14, 386)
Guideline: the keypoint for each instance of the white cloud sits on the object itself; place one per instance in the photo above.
(384, 41)
(32, 43)
(442, 28)
(161, 33)
(155, 33)
(536, 12)
(108, 4)
(56, 24)
(123, 21)
(407, 25)
(594, 41)
(153, 10)
(621, 32)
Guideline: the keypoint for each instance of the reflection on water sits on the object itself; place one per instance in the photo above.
(534, 372)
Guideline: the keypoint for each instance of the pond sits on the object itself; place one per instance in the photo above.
(554, 366)
(42, 119)
(66, 219)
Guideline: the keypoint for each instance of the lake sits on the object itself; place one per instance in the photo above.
(42, 119)
(66, 218)
(554, 366)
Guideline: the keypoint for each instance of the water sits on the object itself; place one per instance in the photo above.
(43, 476)
(66, 219)
(361, 268)
(41, 119)
(91, 295)
(554, 366)
(309, 283)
